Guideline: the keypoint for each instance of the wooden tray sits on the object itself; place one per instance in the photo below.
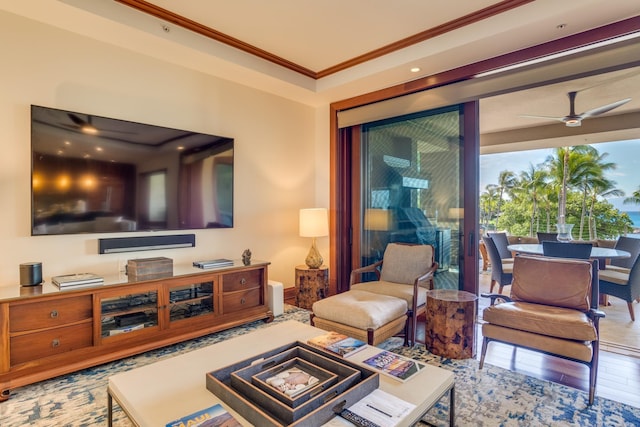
(236, 387)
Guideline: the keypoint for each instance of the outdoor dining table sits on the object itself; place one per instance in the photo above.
(596, 251)
(601, 254)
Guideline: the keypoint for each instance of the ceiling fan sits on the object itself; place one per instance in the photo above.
(573, 119)
(87, 126)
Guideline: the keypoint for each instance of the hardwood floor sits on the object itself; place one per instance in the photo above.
(618, 375)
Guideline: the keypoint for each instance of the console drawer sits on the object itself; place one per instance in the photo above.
(48, 314)
(37, 345)
(241, 280)
(241, 300)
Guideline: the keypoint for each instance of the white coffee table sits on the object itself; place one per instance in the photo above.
(158, 393)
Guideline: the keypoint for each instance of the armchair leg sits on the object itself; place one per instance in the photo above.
(631, 311)
(485, 341)
(493, 283)
(593, 371)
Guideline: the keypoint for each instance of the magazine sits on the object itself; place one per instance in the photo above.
(77, 279)
(396, 366)
(213, 416)
(336, 343)
(378, 408)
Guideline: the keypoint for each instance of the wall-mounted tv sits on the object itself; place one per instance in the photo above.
(93, 174)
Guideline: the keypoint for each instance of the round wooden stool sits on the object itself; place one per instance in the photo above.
(450, 327)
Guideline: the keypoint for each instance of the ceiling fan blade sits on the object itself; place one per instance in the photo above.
(529, 116)
(604, 108)
(77, 120)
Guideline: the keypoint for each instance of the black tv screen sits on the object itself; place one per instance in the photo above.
(93, 174)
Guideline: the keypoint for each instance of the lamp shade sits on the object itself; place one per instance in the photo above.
(377, 219)
(314, 222)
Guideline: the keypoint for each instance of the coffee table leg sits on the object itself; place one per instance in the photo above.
(452, 406)
(109, 410)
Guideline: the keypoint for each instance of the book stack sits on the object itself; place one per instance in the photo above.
(213, 263)
(77, 280)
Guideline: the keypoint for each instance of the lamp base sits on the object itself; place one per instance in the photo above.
(314, 259)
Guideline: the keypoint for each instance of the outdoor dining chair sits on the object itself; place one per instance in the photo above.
(501, 272)
(566, 249)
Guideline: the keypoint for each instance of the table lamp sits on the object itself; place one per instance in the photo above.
(314, 223)
(377, 221)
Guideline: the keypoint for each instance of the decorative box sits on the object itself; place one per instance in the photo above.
(244, 387)
(149, 268)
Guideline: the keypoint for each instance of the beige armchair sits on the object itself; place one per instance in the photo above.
(405, 271)
(552, 309)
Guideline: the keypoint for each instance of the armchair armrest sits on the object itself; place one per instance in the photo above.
(372, 268)
(494, 297)
(426, 276)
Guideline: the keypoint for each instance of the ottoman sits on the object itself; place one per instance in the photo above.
(363, 315)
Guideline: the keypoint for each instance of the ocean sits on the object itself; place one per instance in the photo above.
(635, 217)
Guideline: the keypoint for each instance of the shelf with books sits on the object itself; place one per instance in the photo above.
(128, 313)
(188, 301)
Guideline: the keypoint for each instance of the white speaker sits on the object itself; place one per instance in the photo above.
(275, 297)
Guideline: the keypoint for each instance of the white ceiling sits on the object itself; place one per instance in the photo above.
(320, 35)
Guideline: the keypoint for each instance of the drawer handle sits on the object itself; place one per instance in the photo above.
(54, 314)
(55, 343)
(243, 281)
(242, 300)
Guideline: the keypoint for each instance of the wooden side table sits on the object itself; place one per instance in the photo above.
(312, 284)
(450, 327)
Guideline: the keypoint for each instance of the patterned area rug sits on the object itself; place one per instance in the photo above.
(489, 397)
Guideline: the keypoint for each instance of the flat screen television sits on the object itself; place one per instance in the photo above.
(93, 174)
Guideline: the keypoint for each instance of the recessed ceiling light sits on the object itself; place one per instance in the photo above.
(415, 69)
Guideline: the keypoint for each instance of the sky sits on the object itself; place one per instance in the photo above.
(626, 154)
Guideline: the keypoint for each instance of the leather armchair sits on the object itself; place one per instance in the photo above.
(406, 272)
(553, 308)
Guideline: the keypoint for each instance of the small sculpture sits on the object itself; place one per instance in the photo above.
(246, 257)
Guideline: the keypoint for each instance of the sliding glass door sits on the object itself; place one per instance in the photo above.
(410, 187)
(408, 177)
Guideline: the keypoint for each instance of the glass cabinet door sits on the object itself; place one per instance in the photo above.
(192, 300)
(127, 313)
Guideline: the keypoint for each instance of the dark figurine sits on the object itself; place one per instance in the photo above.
(246, 257)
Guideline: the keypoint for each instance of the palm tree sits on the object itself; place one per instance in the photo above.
(591, 174)
(533, 181)
(568, 166)
(600, 188)
(487, 200)
(506, 182)
(634, 199)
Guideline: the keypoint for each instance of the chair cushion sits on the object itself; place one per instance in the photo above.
(557, 322)
(405, 263)
(552, 281)
(614, 276)
(396, 290)
(360, 309)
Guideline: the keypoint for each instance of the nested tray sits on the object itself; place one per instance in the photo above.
(236, 385)
(293, 369)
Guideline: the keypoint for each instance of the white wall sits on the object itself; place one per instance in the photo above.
(277, 147)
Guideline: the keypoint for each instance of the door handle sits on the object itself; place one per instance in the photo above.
(471, 243)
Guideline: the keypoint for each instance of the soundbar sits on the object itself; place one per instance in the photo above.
(145, 243)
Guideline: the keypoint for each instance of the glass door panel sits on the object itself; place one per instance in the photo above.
(411, 189)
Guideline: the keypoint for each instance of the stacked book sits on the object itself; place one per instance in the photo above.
(213, 263)
(77, 279)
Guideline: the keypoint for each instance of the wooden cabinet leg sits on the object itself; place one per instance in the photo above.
(4, 395)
